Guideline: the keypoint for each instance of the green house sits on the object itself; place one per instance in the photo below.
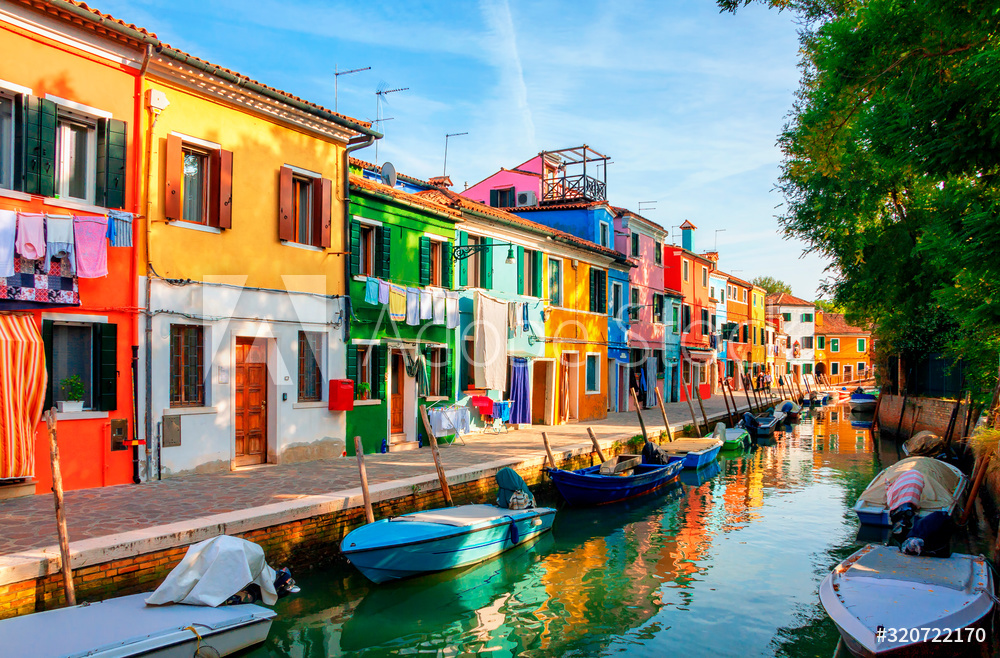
(401, 352)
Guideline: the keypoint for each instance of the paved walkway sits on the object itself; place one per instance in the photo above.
(28, 524)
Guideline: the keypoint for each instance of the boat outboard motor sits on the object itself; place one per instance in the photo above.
(930, 536)
(284, 585)
(513, 492)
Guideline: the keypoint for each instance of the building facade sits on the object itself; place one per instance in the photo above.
(688, 272)
(799, 324)
(842, 351)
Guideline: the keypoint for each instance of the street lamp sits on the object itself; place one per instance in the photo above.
(465, 251)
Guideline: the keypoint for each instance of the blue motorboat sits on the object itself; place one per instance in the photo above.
(588, 486)
(862, 401)
(696, 453)
(763, 424)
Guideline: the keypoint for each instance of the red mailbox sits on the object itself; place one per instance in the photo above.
(341, 394)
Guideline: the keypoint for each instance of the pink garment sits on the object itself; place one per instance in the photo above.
(31, 235)
(905, 489)
(91, 234)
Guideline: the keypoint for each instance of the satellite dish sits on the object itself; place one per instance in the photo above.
(389, 174)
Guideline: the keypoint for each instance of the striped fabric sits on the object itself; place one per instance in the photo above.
(905, 489)
(120, 228)
(23, 381)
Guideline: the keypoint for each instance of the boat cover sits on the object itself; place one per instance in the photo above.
(461, 516)
(940, 481)
(678, 446)
(925, 444)
(509, 483)
(888, 563)
(214, 570)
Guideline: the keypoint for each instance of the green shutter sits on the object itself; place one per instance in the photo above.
(446, 374)
(495, 198)
(383, 355)
(520, 270)
(111, 146)
(820, 342)
(486, 265)
(447, 265)
(593, 290)
(463, 265)
(425, 261)
(603, 291)
(106, 357)
(537, 292)
(47, 342)
(382, 255)
(352, 365)
(355, 248)
(39, 140)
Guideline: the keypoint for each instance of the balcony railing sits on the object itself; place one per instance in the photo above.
(567, 189)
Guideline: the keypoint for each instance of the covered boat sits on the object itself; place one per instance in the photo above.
(733, 438)
(695, 452)
(763, 424)
(590, 486)
(881, 588)
(790, 409)
(942, 489)
(862, 401)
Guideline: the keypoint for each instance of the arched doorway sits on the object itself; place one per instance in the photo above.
(820, 368)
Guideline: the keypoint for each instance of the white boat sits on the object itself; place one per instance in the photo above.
(943, 488)
(881, 588)
(126, 626)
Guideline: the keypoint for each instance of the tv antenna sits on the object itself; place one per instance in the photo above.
(717, 231)
(380, 95)
(444, 171)
(650, 205)
(336, 77)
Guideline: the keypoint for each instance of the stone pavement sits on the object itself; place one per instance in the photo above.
(27, 525)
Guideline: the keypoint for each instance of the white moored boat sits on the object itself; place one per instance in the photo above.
(944, 485)
(882, 600)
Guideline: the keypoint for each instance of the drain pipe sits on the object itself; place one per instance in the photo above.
(356, 143)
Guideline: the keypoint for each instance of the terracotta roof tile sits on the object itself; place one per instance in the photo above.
(358, 162)
(563, 206)
(784, 299)
(834, 323)
(419, 199)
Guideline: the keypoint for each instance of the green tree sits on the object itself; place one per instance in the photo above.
(771, 285)
(891, 168)
(828, 307)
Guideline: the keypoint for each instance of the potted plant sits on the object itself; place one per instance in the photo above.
(73, 390)
(364, 390)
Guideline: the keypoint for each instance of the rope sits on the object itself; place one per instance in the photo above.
(197, 647)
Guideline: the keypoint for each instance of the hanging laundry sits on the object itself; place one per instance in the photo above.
(412, 306)
(451, 308)
(512, 316)
(8, 230)
(489, 348)
(426, 305)
(383, 291)
(60, 244)
(31, 235)
(397, 303)
(91, 246)
(371, 291)
(120, 228)
(524, 312)
(438, 297)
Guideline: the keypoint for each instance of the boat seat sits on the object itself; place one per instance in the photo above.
(888, 563)
(465, 515)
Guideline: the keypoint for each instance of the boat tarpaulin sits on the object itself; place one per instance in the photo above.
(940, 482)
(23, 381)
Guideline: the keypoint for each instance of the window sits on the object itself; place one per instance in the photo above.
(711, 292)
(686, 320)
(704, 322)
(366, 365)
(304, 206)
(302, 219)
(702, 374)
(194, 187)
(834, 368)
(834, 344)
(439, 365)
(807, 317)
(685, 268)
(821, 342)
(598, 291)
(633, 310)
(555, 282)
(676, 318)
(659, 254)
(187, 367)
(686, 372)
(704, 276)
(722, 295)
(862, 366)
(72, 356)
(76, 159)
(436, 266)
(367, 246)
(754, 332)
(616, 300)
(474, 263)
(807, 368)
(862, 346)
(605, 234)
(531, 277)
(787, 317)
(788, 368)
(6, 143)
(310, 373)
(635, 244)
(503, 198)
(593, 373)
(744, 300)
(807, 342)
(658, 308)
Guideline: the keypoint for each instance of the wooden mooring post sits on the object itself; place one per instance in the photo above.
(57, 490)
(437, 457)
(729, 413)
(701, 405)
(687, 398)
(548, 450)
(597, 446)
(365, 494)
(663, 410)
(638, 411)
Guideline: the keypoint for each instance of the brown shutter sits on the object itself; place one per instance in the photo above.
(220, 198)
(285, 229)
(322, 196)
(172, 178)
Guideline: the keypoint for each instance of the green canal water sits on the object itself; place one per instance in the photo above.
(726, 563)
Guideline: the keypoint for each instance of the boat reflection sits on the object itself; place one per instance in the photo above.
(696, 478)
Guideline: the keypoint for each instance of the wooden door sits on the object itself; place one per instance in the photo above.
(396, 394)
(251, 402)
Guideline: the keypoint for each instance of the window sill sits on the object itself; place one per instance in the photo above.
(194, 226)
(436, 398)
(75, 205)
(367, 403)
(591, 392)
(14, 194)
(318, 404)
(80, 415)
(189, 411)
(306, 247)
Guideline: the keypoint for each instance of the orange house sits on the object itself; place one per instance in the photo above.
(842, 350)
(70, 145)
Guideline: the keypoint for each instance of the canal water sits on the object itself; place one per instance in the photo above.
(726, 563)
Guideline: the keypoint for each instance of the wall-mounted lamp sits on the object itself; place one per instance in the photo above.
(465, 251)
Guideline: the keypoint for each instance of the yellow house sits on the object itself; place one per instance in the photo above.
(843, 351)
(245, 191)
(758, 324)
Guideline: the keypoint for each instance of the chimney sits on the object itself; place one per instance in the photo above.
(687, 235)
(441, 181)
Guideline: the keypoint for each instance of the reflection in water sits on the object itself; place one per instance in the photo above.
(726, 562)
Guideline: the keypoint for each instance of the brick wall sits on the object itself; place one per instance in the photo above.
(921, 414)
(301, 545)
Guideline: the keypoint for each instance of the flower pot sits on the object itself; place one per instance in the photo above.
(69, 406)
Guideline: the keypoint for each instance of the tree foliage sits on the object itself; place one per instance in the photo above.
(771, 285)
(892, 167)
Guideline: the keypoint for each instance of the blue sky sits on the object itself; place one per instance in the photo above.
(688, 102)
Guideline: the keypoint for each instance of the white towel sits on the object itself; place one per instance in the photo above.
(438, 303)
(412, 306)
(451, 306)
(8, 229)
(490, 343)
(426, 305)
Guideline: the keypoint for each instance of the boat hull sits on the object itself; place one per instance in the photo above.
(878, 515)
(586, 486)
(443, 547)
(701, 458)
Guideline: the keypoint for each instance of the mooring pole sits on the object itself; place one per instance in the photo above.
(548, 450)
(57, 490)
(694, 418)
(701, 405)
(360, 452)
(638, 412)
(437, 457)
(597, 446)
(663, 410)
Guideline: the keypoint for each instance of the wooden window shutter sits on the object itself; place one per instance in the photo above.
(173, 175)
(593, 290)
(446, 373)
(383, 238)
(537, 292)
(220, 196)
(111, 162)
(106, 357)
(447, 265)
(520, 270)
(322, 198)
(286, 230)
(604, 292)
(425, 260)
(39, 146)
(495, 198)
(486, 266)
(383, 354)
(352, 365)
(463, 265)
(47, 343)
(355, 248)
